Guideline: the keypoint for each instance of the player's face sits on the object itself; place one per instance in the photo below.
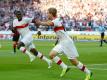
(19, 16)
(49, 15)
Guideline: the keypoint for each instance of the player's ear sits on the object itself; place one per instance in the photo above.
(51, 23)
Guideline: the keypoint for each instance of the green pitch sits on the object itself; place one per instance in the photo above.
(18, 67)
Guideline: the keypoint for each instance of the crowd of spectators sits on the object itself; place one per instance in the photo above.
(78, 15)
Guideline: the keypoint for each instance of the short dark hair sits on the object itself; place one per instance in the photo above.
(16, 12)
(53, 11)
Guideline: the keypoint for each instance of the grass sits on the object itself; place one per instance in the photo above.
(18, 67)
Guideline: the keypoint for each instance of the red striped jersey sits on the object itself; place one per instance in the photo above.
(57, 23)
(22, 26)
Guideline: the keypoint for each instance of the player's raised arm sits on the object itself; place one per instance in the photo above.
(52, 14)
(45, 23)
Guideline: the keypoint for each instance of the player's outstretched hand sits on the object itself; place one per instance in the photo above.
(37, 21)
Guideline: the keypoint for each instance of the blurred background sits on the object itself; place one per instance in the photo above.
(83, 20)
(78, 15)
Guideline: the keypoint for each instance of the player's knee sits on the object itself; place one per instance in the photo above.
(20, 44)
(52, 55)
(14, 42)
(34, 51)
(74, 62)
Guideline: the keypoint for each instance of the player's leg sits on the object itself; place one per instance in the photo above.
(21, 47)
(14, 46)
(82, 67)
(26, 41)
(72, 54)
(15, 41)
(105, 41)
(40, 55)
(102, 37)
(57, 60)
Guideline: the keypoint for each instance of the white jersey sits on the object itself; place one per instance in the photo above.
(59, 29)
(22, 26)
(65, 44)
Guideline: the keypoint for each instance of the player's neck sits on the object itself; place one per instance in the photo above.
(20, 19)
(54, 17)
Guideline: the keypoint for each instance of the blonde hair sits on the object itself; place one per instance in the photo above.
(53, 11)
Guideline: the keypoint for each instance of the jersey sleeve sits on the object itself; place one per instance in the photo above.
(57, 22)
(28, 20)
(14, 24)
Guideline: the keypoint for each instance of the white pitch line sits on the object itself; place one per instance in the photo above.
(96, 64)
(101, 69)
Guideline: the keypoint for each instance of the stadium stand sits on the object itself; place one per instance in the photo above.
(78, 15)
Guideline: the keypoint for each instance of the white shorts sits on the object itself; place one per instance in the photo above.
(68, 48)
(28, 41)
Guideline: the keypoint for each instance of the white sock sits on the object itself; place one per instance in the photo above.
(59, 62)
(40, 55)
(83, 68)
(23, 49)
